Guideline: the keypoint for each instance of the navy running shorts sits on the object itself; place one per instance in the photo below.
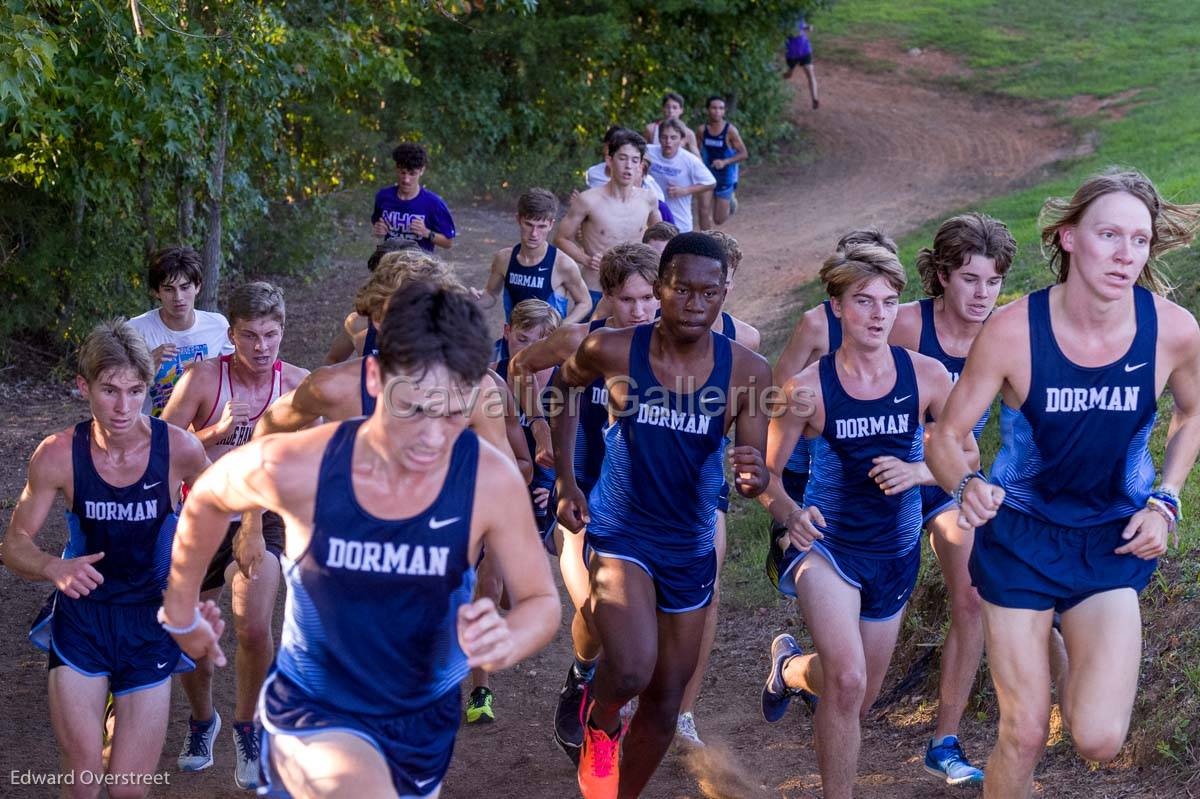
(723, 497)
(124, 643)
(934, 502)
(416, 746)
(681, 583)
(272, 528)
(1021, 562)
(724, 190)
(802, 61)
(884, 584)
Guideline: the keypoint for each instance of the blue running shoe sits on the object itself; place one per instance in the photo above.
(947, 762)
(776, 695)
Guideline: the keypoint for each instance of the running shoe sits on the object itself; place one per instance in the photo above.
(599, 762)
(479, 706)
(816, 103)
(197, 753)
(568, 729)
(732, 204)
(776, 695)
(947, 762)
(685, 731)
(245, 743)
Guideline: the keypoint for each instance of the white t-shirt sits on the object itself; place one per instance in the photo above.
(207, 338)
(684, 169)
(597, 177)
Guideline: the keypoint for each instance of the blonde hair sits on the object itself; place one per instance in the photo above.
(529, 314)
(394, 270)
(733, 251)
(256, 300)
(114, 345)
(858, 262)
(956, 240)
(1172, 226)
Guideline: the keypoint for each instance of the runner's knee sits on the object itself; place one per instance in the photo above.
(1026, 734)
(846, 688)
(966, 606)
(1098, 740)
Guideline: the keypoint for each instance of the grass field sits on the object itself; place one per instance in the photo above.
(1127, 76)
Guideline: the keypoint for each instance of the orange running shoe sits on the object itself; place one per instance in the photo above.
(599, 769)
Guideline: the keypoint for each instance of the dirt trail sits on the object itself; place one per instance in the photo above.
(888, 152)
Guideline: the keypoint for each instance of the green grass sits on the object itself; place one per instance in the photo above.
(1149, 55)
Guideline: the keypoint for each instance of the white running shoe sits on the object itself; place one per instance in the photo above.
(197, 752)
(685, 731)
(246, 745)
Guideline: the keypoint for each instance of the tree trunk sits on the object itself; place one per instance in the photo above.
(77, 217)
(211, 254)
(146, 204)
(185, 209)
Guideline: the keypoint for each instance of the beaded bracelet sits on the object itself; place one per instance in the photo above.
(962, 486)
(1163, 510)
(1171, 500)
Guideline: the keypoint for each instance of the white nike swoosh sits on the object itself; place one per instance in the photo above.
(146, 487)
(423, 783)
(1135, 367)
(898, 400)
(437, 524)
(160, 665)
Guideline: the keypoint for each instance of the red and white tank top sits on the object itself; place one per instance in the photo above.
(242, 431)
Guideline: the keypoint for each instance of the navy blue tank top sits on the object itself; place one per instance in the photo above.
(370, 347)
(663, 467)
(860, 519)
(1076, 453)
(593, 419)
(133, 526)
(716, 146)
(370, 625)
(531, 282)
(929, 345)
(798, 462)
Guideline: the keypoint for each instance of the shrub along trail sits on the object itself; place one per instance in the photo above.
(886, 152)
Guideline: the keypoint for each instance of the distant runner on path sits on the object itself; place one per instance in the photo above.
(408, 210)
(799, 54)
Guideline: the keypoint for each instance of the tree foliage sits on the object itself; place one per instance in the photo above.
(211, 122)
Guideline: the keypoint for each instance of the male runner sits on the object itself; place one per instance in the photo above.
(617, 212)
(799, 54)
(385, 517)
(119, 474)
(722, 150)
(408, 210)
(679, 172)
(863, 406)
(651, 517)
(627, 276)
(817, 333)
(176, 334)
(221, 400)
(672, 108)
(1069, 520)
(658, 234)
(535, 269)
(962, 274)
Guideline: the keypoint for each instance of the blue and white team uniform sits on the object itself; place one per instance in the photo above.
(532, 282)
(871, 539)
(655, 503)
(933, 499)
(370, 347)
(542, 476)
(113, 631)
(588, 457)
(1075, 465)
(401, 214)
(370, 643)
(716, 146)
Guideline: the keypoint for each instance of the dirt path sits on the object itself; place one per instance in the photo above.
(888, 152)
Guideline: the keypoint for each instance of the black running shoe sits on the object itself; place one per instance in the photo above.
(568, 724)
(776, 549)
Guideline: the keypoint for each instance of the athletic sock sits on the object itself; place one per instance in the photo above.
(584, 669)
